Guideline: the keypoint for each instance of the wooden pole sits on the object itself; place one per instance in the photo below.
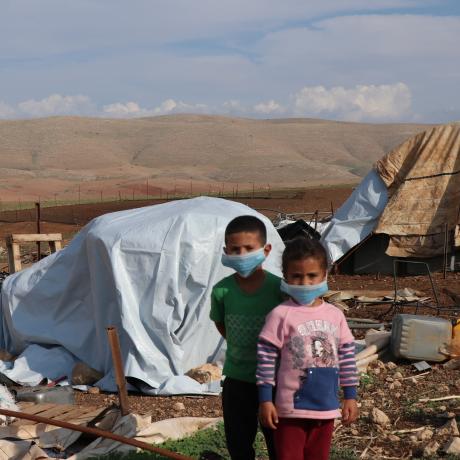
(118, 368)
(37, 207)
(94, 432)
(446, 237)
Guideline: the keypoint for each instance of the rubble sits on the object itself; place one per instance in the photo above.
(431, 449)
(379, 417)
(425, 435)
(205, 373)
(82, 374)
(452, 446)
(449, 428)
(178, 406)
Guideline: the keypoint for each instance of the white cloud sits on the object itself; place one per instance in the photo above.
(133, 109)
(269, 108)
(360, 103)
(57, 105)
(363, 102)
(129, 109)
(6, 111)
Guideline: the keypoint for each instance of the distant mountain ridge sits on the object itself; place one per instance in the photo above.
(56, 155)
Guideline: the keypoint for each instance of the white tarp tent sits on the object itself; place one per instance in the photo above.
(147, 271)
(356, 218)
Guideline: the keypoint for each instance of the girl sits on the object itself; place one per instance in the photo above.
(304, 349)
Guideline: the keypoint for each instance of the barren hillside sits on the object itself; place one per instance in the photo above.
(57, 155)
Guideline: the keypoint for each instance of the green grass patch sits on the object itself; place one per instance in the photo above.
(210, 444)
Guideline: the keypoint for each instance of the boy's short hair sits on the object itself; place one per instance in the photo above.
(301, 248)
(250, 224)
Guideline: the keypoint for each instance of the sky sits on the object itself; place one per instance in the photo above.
(352, 60)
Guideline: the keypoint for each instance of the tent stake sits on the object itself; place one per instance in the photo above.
(118, 367)
(96, 432)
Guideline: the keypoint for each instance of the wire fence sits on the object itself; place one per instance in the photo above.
(83, 204)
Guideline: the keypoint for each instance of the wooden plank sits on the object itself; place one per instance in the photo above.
(56, 410)
(16, 257)
(81, 415)
(23, 404)
(38, 408)
(55, 246)
(34, 237)
(9, 248)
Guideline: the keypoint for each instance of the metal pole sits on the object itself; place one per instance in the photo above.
(95, 432)
(118, 367)
(37, 208)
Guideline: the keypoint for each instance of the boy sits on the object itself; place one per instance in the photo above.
(239, 304)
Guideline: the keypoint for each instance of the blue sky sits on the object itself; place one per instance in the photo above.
(354, 60)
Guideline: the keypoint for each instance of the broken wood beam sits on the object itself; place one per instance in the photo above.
(34, 237)
(118, 368)
(95, 432)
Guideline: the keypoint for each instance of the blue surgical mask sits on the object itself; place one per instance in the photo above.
(305, 294)
(245, 264)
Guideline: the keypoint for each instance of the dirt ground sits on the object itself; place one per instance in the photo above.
(393, 388)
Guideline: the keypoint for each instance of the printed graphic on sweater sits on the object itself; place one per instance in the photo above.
(314, 353)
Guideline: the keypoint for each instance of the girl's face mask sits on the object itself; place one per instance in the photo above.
(245, 264)
(304, 294)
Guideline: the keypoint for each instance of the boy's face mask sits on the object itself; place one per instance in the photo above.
(244, 264)
(305, 294)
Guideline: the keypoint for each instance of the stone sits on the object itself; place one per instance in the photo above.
(397, 376)
(82, 374)
(354, 432)
(94, 390)
(449, 428)
(178, 406)
(452, 446)
(425, 435)
(395, 384)
(431, 449)
(391, 365)
(390, 379)
(413, 439)
(205, 373)
(442, 408)
(379, 417)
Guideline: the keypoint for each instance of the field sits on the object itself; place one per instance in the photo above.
(395, 389)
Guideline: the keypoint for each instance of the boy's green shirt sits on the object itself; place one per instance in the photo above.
(243, 315)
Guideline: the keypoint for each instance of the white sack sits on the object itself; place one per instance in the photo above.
(147, 271)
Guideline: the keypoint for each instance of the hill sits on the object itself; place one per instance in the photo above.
(56, 156)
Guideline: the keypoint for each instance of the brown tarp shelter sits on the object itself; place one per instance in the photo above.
(423, 180)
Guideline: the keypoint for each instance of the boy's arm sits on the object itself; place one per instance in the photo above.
(217, 313)
(221, 328)
(349, 381)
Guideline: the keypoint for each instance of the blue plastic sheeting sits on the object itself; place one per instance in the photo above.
(147, 271)
(356, 218)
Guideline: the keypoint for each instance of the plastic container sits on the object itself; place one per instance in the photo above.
(43, 394)
(420, 337)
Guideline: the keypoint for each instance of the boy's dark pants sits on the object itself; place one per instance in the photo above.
(240, 402)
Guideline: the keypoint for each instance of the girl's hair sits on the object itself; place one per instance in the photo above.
(303, 248)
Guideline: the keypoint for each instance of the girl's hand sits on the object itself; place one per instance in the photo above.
(350, 411)
(267, 415)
